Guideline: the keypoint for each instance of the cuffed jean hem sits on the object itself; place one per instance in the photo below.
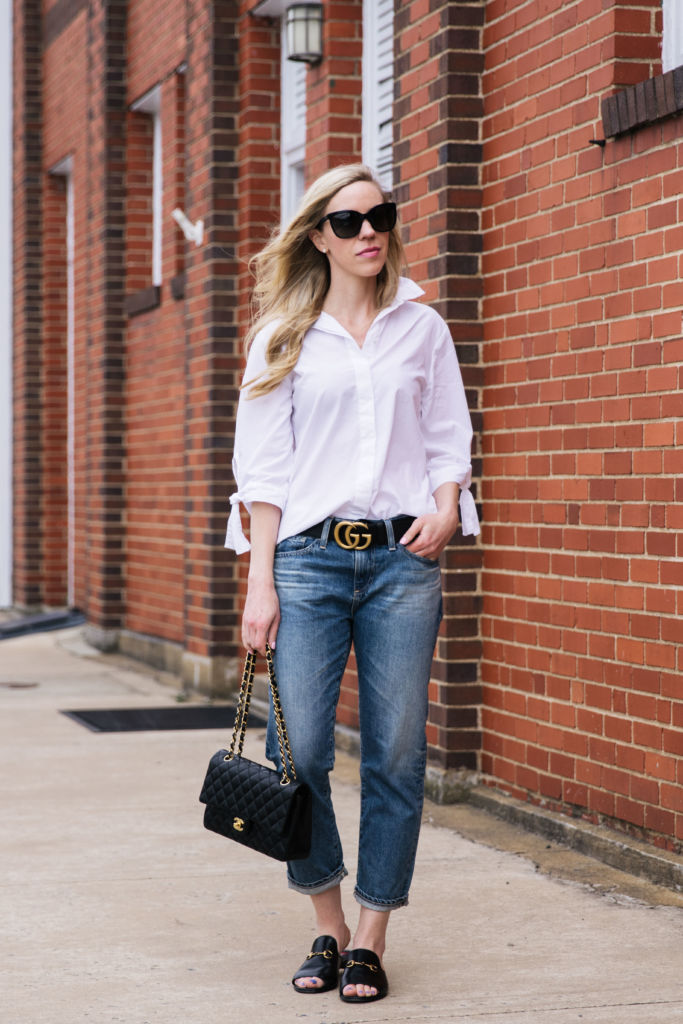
(316, 887)
(370, 904)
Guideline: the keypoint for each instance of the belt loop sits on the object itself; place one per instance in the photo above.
(325, 534)
(391, 543)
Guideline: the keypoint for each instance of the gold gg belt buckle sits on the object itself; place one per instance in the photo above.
(347, 535)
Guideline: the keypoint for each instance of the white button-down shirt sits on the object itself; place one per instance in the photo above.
(358, 433)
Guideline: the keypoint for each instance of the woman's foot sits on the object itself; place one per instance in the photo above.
(362, 980)
(320, 970)
(330, 922)
(365, 980)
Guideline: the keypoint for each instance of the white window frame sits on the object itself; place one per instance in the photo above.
(378, 88)
(150, 104)
(672, 34)
(292, 132)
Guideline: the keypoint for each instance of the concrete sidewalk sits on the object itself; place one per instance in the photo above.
(118, 906)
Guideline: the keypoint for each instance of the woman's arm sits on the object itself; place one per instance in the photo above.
(261, 616)
(430, 533)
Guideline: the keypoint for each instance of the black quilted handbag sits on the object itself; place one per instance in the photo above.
(254, 805)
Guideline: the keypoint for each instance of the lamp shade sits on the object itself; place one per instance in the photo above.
(305, 33)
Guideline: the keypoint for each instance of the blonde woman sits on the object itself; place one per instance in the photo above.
(352, 456)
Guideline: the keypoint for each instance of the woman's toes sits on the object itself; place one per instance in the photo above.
(362, 991)
(308, 982)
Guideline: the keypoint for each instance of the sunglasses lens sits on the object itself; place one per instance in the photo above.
(346, 223)
(383, 217)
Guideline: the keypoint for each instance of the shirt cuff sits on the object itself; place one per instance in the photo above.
(469, 520)
(234, 535)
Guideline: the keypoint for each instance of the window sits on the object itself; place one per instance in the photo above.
(293, 132)
(378, 87)
(150, 104)
(672, 34)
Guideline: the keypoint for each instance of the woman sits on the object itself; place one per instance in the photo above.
(352, 453)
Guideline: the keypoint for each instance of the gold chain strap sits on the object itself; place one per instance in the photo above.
(242, 714)
(282, 737)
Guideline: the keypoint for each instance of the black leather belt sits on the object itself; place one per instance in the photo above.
(357, 534)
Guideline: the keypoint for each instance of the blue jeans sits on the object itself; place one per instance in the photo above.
(386, 601)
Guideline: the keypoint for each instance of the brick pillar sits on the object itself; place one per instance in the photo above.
(28, 304)
(437, 157)
(334, 126)
(259, 141)
(106, 322)
(54, 405)
(174, 174)
(213, 350)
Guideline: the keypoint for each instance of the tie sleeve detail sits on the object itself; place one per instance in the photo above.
(234, 536)
(469, 520)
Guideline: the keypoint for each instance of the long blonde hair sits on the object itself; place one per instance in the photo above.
(293, 277)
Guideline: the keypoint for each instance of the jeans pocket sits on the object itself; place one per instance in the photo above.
(299, 544)
(429, 563)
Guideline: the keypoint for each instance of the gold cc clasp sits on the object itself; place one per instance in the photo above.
(238, 824)
(347, 535)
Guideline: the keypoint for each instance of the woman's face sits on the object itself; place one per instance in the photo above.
(364, 255)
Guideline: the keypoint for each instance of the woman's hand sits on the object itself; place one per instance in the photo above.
(430, 533)
(261, 616)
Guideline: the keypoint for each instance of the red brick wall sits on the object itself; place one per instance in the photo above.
(156, 43)
(54, 400)
(212, 338)
(66, 109)
(151, 424)
(156, 384)
(28, 305)
(104, 541)
(437, 156)
(583, 253)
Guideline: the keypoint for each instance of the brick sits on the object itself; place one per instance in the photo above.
(659, 820)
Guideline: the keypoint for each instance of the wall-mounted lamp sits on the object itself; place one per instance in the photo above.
(304, 24)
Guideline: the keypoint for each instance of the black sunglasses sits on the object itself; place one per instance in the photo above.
(347, 223)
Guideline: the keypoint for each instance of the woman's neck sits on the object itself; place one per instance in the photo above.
(354, 306)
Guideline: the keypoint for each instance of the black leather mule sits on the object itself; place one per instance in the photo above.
(363, 968)
(322, 963)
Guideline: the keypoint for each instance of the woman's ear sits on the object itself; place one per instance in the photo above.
(317, 239)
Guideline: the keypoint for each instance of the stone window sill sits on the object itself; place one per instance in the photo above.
(143, 301)
(643, 104)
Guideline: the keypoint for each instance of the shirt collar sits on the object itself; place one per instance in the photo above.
(407, 291)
